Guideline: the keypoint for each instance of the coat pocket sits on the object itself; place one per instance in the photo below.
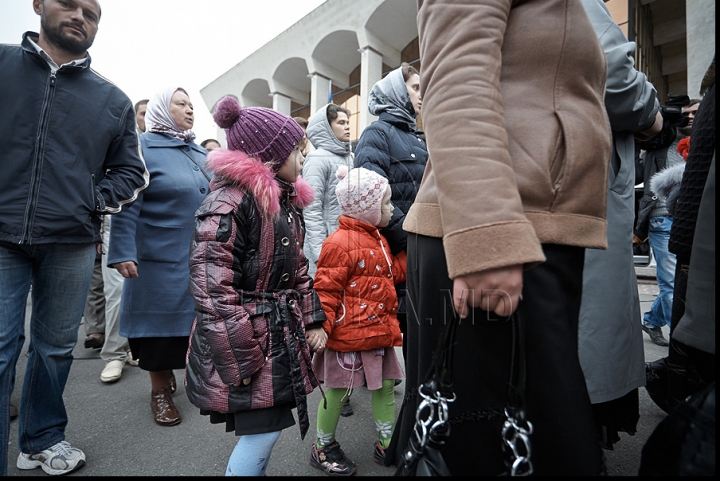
(161, 243)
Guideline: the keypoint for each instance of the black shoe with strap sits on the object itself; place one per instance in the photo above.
(332, 460)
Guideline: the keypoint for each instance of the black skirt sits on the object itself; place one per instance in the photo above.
(564, 441)
(619, 415)
(257, 421)
(159, 353)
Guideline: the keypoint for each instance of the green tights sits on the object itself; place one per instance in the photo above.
(383, 408)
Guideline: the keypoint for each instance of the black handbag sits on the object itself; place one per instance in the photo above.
(422, 456)
(683, 444)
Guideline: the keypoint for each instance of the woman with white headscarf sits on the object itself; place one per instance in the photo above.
(393, 147)
(149, 246)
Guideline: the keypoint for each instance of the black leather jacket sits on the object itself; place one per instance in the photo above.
(648, 164)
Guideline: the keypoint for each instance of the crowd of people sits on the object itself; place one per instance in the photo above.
(286, 262)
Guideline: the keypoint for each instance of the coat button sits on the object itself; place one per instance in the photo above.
(202, 190)
(195, 167)
(412, 155)
(291, 304)
(285, 241)
(285, 277)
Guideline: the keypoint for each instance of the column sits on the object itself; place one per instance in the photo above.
(319, 91)
(281, 103)
(370, 73)
(700, 22)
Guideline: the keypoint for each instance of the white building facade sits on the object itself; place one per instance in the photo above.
(339, 50)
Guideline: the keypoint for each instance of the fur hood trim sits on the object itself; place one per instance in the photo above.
(258, 178)
(664, 181)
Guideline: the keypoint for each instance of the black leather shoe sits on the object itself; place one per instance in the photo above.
(656, 383)
(13, 411)
(656, 336)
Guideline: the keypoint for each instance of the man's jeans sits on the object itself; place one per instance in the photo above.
(659, 236)
(60, 277)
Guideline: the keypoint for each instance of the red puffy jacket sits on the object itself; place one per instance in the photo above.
(355, 280)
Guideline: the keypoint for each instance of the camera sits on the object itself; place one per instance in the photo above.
(673, 119)
(672, 111)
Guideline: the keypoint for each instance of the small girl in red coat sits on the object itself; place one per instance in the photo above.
(355, 279)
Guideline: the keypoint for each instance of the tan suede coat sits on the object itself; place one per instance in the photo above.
(516, 128)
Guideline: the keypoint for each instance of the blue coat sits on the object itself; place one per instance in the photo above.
(155, 233)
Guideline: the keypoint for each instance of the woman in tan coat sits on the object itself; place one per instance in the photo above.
(515, 190)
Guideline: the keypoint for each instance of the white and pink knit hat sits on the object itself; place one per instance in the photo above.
(360, 193)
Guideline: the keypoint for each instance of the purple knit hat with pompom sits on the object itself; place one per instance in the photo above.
(262, 133)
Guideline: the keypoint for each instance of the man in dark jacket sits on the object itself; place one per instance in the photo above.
(654, 221)
(70, 156)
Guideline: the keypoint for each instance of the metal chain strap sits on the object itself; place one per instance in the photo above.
(435, 408)
(516, 436)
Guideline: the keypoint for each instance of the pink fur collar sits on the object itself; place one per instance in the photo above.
(249, 172)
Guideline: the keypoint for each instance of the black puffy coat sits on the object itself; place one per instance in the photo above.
(391, 148)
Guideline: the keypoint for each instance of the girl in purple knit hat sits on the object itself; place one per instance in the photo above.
(257, 316)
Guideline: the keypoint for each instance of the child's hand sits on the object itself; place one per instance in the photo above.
(316, 339)
(244, 382)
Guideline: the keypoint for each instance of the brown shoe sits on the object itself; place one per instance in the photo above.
(166, 414)
(95, 340)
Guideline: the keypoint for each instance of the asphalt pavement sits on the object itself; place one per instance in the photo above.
(113, 424)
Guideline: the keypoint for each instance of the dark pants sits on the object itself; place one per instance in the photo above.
(689, 369)
(565, 439)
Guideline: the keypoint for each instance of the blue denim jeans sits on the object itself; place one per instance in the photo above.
(251, 455)
(60, 278)
(659, 235)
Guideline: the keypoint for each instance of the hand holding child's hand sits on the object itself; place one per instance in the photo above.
(316, 339)
(244, 382)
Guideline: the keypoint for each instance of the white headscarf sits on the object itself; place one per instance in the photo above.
(390, 95)
(158, 118)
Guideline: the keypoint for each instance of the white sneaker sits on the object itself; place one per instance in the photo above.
(129, 359)
(112, 372)
(58, 459)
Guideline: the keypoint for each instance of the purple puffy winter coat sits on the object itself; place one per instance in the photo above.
(253, 296)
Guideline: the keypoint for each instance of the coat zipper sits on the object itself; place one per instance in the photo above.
(36, 168)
